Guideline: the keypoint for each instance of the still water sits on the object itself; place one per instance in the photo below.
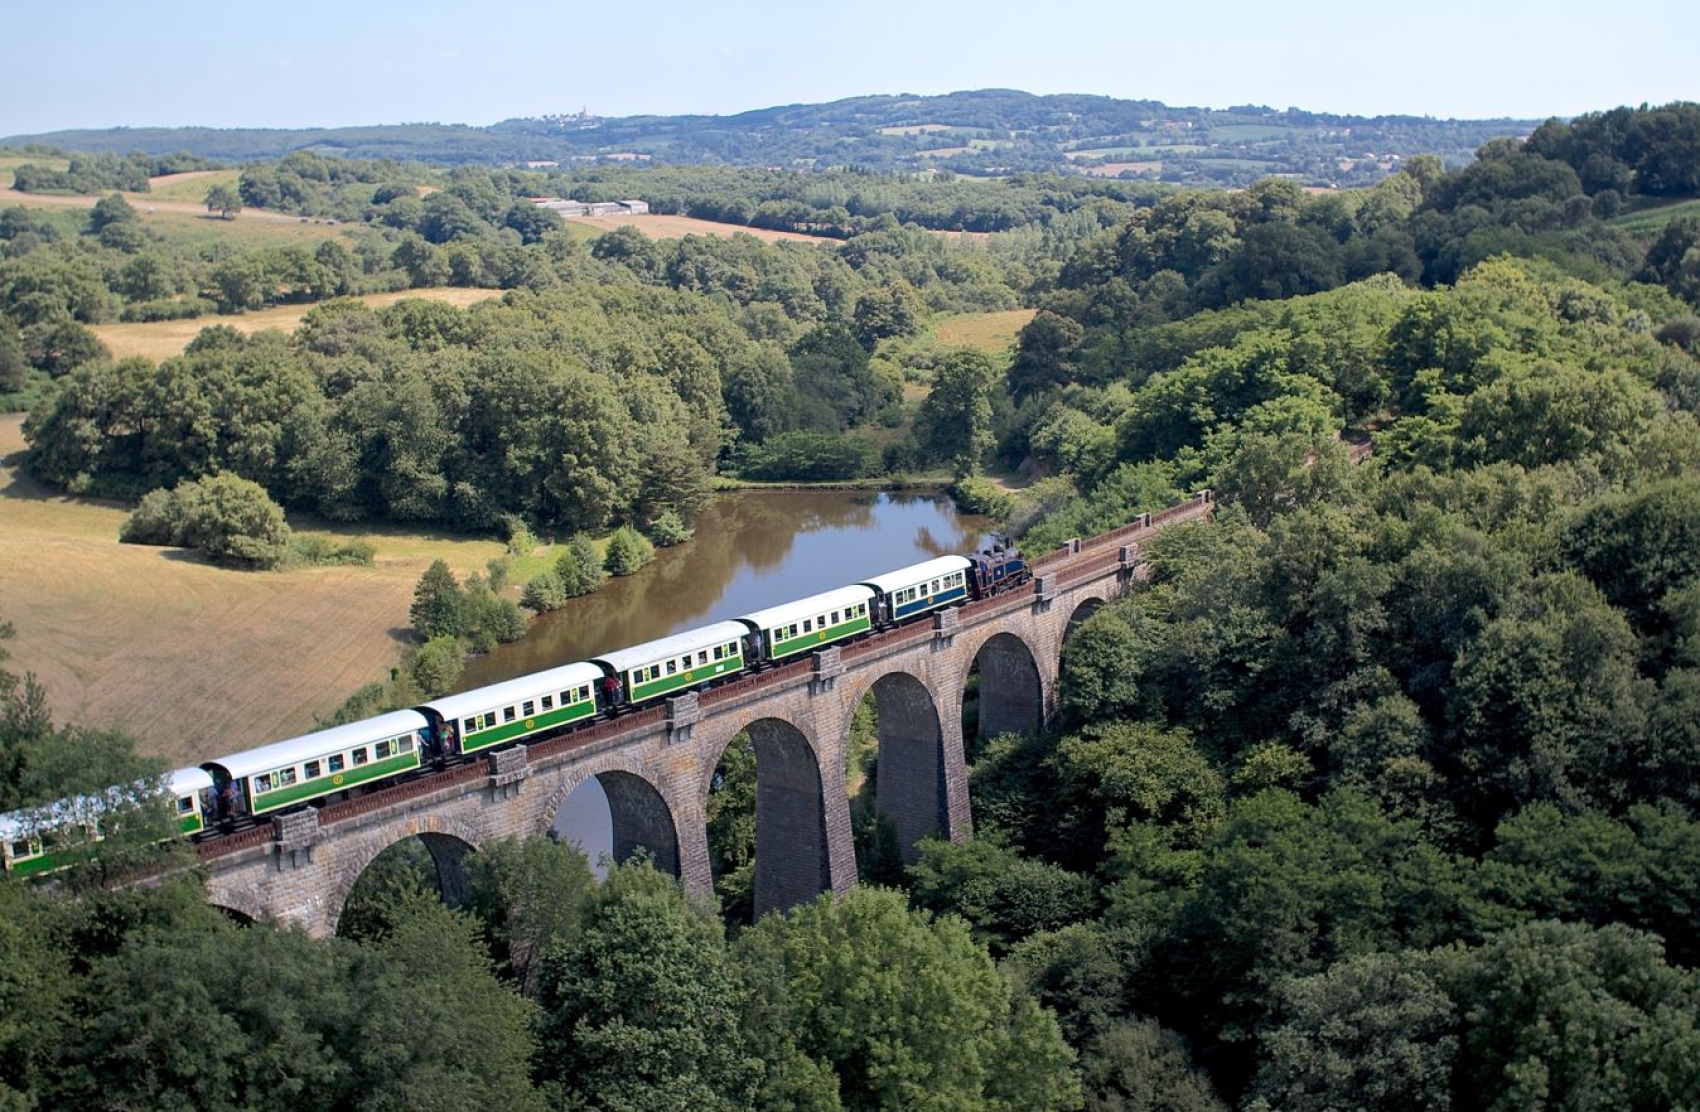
(751, 550)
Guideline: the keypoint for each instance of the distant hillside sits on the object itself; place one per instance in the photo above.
(988, 132)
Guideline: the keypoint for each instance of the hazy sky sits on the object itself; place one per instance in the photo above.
(100, 63)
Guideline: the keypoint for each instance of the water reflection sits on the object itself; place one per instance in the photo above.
(751, 550)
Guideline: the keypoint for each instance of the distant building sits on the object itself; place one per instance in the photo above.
(635, 208)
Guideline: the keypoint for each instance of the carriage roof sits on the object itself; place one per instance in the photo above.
(512, 691)
(624, 660)
(334, 740)
(916, 573)
(789, 612)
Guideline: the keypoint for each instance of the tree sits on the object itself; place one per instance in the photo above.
(904, 1009)
(579, 567)
(628, 550)
(1563, 1015)
(224, 200)
(641, 1007)
(437, 665)
(1372, 1033)
(438, 603)
(955, 421)
(530, 896)
(109, 210)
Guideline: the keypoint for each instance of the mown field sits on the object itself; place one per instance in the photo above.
(190, 659)
(991, 333)
(162, 339)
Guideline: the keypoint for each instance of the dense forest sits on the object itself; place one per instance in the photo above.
(988, 132)
(1380, 794)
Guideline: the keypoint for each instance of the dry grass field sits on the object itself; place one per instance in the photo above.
(190, 659)
(658, 226)
(162, 339)
(991, 333)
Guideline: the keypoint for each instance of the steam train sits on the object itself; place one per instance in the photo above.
(241, 788)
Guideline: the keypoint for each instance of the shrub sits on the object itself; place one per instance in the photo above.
(976, 495)
(316, 551)
(229, 519)
(544, 592)
(628, 550)
(579, 567)
(437, 666)
(668, 529)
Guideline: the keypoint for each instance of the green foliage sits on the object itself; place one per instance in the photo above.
(668, 529)
(642, 1005)
(227, 518)
(579, 567)
(628, 550)
(316, 551)
(529, 896)
(807, 457)
(846, 982)
(436, 666)
(977, 495)
(438, 603)
(1004, 897)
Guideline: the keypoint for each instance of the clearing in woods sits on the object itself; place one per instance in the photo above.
(162, 339)
(190, 659)
(991, 333)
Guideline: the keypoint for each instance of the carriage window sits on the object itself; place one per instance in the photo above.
(507, 714)
(702, 657)
(584, 692)
(548, 702)
(719, 652)
(21, 849)
(359, 756)
(185, 804)
(311, 769)
(808, 625)
(404, 744)
(382, 749)
(263, 783)
(530, 708)
(835, 617)
(335, 763)
(672, 666)
(471, 724)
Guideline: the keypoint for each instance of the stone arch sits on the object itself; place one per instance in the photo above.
(911, 785)
(242, 905)
(641, 815)
(240, 918)
(1087, 607)
(797, 855)
(447, 841)
(1012, 691)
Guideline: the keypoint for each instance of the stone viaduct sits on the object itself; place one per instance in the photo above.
(655, 765)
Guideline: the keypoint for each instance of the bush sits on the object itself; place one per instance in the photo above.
(229, 519)
(437, 666)
(628, 550)
(316, 551)
(579, 567)
(668, 529)
(975, 495)
(544, 592)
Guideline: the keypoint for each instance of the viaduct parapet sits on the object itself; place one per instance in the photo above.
(656, 765)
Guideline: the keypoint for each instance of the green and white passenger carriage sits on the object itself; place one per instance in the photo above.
(813, 622)
(675, 663)
(44, 839)
(317, 765)
(514, 709)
